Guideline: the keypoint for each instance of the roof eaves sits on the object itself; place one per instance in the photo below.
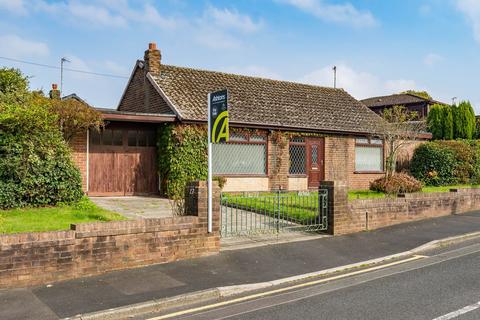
(164, 96)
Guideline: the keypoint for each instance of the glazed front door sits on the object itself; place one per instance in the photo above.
(315, 161)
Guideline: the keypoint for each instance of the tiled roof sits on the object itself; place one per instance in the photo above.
(394, 100)
(265, 102)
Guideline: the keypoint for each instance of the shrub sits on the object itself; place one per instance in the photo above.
(397, 183)
(435, 121)
(35, 164)
(464, 121)
(433, 164)
(465, 159)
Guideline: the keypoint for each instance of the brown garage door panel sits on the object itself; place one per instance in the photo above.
(127, 171)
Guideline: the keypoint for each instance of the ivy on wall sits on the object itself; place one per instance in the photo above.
(182, 157)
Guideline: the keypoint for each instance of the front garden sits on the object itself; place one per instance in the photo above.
(40, 186)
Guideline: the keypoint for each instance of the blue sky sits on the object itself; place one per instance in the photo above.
(380, 47)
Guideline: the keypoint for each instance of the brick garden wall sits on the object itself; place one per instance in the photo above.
(88, 249)
(359, 215)
(78, 145)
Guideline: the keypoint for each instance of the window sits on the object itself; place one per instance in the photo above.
(298, 156)
(243, 155)
(368, 155)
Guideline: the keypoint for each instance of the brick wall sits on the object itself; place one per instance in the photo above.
(278, 164)
(88, 249)
(78, 144)
(340, 163)
(141, 96)
(359, 215)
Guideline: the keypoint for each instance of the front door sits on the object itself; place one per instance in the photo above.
(315, 161)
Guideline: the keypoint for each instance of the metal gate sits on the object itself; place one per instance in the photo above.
(254, 213)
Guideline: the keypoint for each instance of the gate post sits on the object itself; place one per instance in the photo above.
(196, 204)
(337, 206)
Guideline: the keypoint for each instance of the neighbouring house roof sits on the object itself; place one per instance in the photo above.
(396, 99)
(264, 102)
(75, 97)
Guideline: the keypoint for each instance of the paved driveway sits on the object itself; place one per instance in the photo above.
(136, 207)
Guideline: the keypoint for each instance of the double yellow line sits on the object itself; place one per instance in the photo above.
(271, 292)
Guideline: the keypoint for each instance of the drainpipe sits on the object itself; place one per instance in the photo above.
(88, 160)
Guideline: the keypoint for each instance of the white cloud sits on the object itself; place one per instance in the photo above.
(17, 47)
(14, 6)
(105, 13)
(254, 71)
(471, 10)
(344, 13)
(223, 28)
(232, 19)
(95, 14)
(432, 59)
(359, 84)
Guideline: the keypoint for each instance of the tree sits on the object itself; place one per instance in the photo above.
(13, 86)
(422, 94)
(435, 122)
(398, 130)
(447, 123)
(464, 121)
(75, 117)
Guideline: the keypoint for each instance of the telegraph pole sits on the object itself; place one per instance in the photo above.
(62, 61)
(335, 77)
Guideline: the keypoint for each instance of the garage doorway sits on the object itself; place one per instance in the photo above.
(122, 160)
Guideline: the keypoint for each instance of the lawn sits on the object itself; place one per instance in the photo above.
(53, 218)
(368, 194)
(296, 207)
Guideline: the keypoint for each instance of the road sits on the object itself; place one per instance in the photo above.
(439, 285)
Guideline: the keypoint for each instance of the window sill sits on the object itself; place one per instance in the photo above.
(369, 172)
(241, 175)
(298, 176)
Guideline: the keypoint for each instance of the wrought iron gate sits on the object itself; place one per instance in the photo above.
(255, 212)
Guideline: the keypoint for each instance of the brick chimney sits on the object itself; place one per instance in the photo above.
(54, 93)
(152, 59)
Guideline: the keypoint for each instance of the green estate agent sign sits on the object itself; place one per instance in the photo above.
(219, 116)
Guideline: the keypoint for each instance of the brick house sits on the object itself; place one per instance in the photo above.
(328, 135)
(411, 102)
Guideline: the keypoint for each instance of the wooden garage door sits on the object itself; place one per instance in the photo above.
(123, 161)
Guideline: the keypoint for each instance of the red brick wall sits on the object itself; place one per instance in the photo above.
(359, 215)
(78, 144)
(340, 163)
(278, 164)
(88, 249)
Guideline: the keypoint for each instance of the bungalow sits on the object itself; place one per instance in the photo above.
(412, 102)
(325, 133)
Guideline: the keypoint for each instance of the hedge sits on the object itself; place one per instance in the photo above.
(35, 162)
(447, 162)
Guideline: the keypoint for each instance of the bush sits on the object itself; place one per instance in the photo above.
(35, 163)
(433, 164)
(398, 183)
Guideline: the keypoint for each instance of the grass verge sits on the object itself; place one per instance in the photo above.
(53, 218)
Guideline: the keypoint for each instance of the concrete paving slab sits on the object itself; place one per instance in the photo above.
(22, 304)
(136, 207)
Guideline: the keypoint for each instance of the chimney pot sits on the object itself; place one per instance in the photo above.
(152, 46)
(54, 86)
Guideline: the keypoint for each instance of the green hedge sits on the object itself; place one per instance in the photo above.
(447, 162)
(35, 163)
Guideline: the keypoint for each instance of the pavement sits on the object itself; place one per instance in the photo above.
(136, 207)
(233, 267)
